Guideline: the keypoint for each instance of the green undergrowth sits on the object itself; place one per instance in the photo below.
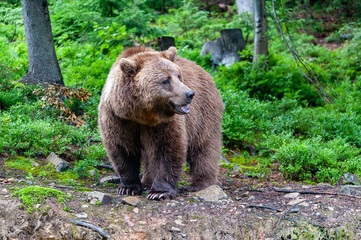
(47, 172)
(30, 196)
(272, 111)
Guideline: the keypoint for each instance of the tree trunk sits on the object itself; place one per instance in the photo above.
(260, 30)
(43, 64)
(244, 6)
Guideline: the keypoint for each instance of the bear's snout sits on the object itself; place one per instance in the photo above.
(189, 96)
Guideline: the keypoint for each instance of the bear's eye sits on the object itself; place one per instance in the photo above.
(179, 76)
(167, 81)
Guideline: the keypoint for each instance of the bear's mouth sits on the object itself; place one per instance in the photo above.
(181, 109)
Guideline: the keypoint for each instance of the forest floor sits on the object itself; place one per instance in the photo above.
(255, 208)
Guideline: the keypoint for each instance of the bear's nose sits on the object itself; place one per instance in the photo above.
(189, 96)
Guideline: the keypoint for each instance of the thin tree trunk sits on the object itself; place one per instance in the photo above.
(260, 30)
(163, 6)
(43, 64)
(244, 6)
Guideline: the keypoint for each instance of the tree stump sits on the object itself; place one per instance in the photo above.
(163, 43)
(224, 50)
(232, 42)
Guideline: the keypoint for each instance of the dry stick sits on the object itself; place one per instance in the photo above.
(309, 69)
(299, 60)
(12, 38)
(313, 192)
(266, 207)
(91, 226)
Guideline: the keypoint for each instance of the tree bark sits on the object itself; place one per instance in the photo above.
(260, 30)
(244, 6)
(43, 64)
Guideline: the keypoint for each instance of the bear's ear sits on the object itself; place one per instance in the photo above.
(171, 53)
(128, 66)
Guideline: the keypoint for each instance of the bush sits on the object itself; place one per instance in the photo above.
(317, 160)
(279, 81)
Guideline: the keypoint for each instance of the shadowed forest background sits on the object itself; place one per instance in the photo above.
(274, 119)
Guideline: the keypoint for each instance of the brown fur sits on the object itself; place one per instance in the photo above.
(140, 127)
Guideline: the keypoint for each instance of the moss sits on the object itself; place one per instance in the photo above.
(20, 163)
(32, 195)
(227, 166)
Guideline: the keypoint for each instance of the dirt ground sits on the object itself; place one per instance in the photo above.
(255, 209)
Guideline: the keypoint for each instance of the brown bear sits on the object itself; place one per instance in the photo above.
(158, 111)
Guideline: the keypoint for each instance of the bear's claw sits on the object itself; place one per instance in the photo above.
(129, 190)
(161, 196)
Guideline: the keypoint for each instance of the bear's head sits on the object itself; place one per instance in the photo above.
(155, 82)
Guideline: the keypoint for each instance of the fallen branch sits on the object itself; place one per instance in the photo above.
(106, 166)
(314, 192)
(266, 207)
(235, 167)
(91, 226)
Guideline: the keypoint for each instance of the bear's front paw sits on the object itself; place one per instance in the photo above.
(161, 195)
(133, 189)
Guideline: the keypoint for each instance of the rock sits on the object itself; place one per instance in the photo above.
(179, 222)
(292, 195)
(110, 179)
(350, 189)
(81, 215)
(37, 206)
(305, 204)
(60, 164)
(211, 194)
(324, 185)
(34, 163)
(101, 197)
(245, 194)
(348, 179)
(136, 210)
(93, 201)
(251, 198)
(215, 49)
(131, 200)
(174, 229)
(92, 172)
(25, 181)
(296, 201)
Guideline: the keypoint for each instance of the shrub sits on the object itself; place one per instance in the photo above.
(315, 159)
